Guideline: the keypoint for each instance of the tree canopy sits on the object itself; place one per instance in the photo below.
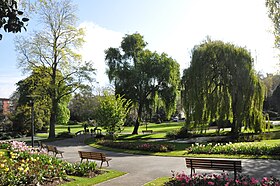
(221, 85)
(139, 74)
(10, 17)
(34, 88)
(273, 7)
(54, 48)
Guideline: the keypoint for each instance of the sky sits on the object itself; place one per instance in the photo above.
(170, 26)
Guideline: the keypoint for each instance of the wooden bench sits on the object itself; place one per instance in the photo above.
(54, 150)
(42, 145)
(94, 156)
(147, 131)
(214, 164)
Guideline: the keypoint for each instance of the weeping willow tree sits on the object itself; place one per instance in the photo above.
(221, 85)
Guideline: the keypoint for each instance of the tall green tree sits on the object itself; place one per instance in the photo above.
(54, 47)
(10, 17)
(221, 85)
(138, 74)
(34, 89)
(31, 89)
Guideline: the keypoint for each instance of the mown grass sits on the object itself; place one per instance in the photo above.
(161, 127)
(82, 181)
(158, 182)
(159, 130)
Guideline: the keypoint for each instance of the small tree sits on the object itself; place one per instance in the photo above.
(111, 112)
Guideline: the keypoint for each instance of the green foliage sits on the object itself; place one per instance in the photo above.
(179, 133)
(81, 169)
(82, 106)
(140, 75)
(65, 135)
(63, 115)
(111, 112)
(274, 15)
(9, 17)
(34, 89)
(220, 85)
(247, 148)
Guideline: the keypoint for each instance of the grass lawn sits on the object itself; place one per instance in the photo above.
(158, 182)
(161, 127)
(159, 130)
(92, 181)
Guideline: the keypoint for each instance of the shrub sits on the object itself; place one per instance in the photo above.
(247, 148)
(181, 133)
(223, 179)
(65, 135)
(151, 147)
(81, 169)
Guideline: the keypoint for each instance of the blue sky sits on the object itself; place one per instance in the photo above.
(170, 26)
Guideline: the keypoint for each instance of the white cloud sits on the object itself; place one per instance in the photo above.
(98, 39)
(229, 21)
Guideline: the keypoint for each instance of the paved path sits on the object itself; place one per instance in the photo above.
(143, 168)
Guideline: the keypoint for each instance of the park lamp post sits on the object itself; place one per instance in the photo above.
(32, 100)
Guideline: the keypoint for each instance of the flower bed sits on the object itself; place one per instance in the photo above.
(247, 148)
(151, 147)
(223, 179)
(23, 165)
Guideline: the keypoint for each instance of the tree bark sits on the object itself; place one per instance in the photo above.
(234, 127)
(139, 115)
(53, 118)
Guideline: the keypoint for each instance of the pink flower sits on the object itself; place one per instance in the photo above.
(254, 180)
(265, 179)
(237, 181)
(211, 183)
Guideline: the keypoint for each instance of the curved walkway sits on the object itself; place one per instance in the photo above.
(144, 168)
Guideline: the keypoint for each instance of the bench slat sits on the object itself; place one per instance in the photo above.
(214, 164)
(94, 156)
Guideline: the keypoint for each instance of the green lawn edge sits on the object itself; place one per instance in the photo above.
(158, 181)
(81, 181)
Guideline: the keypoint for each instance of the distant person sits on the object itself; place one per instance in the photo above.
(85, 127)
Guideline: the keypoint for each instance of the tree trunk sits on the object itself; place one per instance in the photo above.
(137, 124)
(234, 127)
(53, 118)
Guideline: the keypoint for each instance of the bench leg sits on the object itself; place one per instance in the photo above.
(107, 163)
(101, 164)
(192, 171)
